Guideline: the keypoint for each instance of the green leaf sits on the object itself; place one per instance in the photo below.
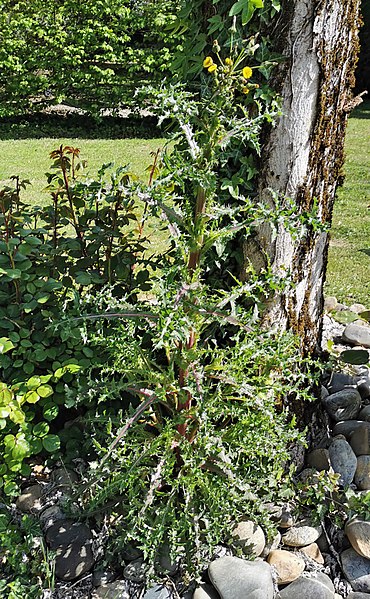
(83, 278)
(41, 429)
(257, 3)
(10, 488)
(50, 411)
(345, 316)
(45, 391)
(31, 397)
(72, 368)
(51, 443)
(5, 345)
(355, 356)
(12, 273)
(365, 315)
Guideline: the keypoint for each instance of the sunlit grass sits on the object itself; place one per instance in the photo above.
(348, 275)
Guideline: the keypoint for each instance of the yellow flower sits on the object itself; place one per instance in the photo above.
(245, 90)
(228, 61)
(247, 72)
(212, 68)
(208, 62)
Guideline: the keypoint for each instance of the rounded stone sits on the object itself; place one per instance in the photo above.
(358, 533)
(362, 475)
(348, 427)
(357, 334)
(340, 380)
(313, 552)
(29, 500)
(135, 571)
(365, 414)
(113, 590)
(343, 460)
(205, 591)
(63, 477)
(158, 591)
(357, 595)
(72, 561)
(272, 545)
(301, 534)
(319, 459)
(343, 405)
(235, 578)
(330, 303)
(50, 516)
(360, 440)
(67, 532)
(318, 586)
(249, 537)
(288, 566)
(357, 570)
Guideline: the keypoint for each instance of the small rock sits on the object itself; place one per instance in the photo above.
(249, 537)
(343, 460)
(72, 561)
(324, 392)
(158, 592)
(235, 578)
(301, 534)
(50, 516)
(281, 514)
(343, 405)
(135, 571)
(114, 590)
(205, 591)
(104, 577)
(339, 381)
(357, 595)
(357, 334)
(357, 308)
(363, 387)
(360, 441)
(288, 566)
(348, 427)
(330, 303)
(64, 477)
(319, 459)
(357, 570)
(358, 533)
(318, 586)
(67, 532)
(313, 552)
(29, 500)
(362, 475)
(365, 414)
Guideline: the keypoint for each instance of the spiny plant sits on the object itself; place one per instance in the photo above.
(206, 439)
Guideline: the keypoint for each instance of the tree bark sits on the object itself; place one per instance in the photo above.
(303, 155)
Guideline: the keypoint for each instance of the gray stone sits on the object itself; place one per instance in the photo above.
(340, 380)
(358, 533)
(249, 537)
(357, 595)
(313, 552)
(235, 578)
(135, 571)
(205, 591)
(360, 440)
(157, 592)
(324, 392)
(363, 387)
(281, 514)
(50, 516)
(330, 303)
(357, 334)
(63, 477)
(103, 577)
(362, 475)
(343, 460)
(319, 459)
(271, 545)
(72, 561)
(357, 570)
(343, 405)
(303, 533)
(357, 308)
(29, 500)
(318, 586)
(365, 414)
(348, 427)
(67, 532)
(113, 590)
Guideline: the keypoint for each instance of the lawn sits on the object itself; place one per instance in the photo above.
(348, 275)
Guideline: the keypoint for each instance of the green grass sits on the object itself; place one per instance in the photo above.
(348, 275)
(29, 158)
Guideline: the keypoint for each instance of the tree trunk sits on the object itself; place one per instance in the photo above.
(303, 155)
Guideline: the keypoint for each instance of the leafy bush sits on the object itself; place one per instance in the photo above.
(49, 257)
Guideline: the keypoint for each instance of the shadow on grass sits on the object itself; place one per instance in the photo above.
(362, 111)
(37, 126)
(365, 251)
